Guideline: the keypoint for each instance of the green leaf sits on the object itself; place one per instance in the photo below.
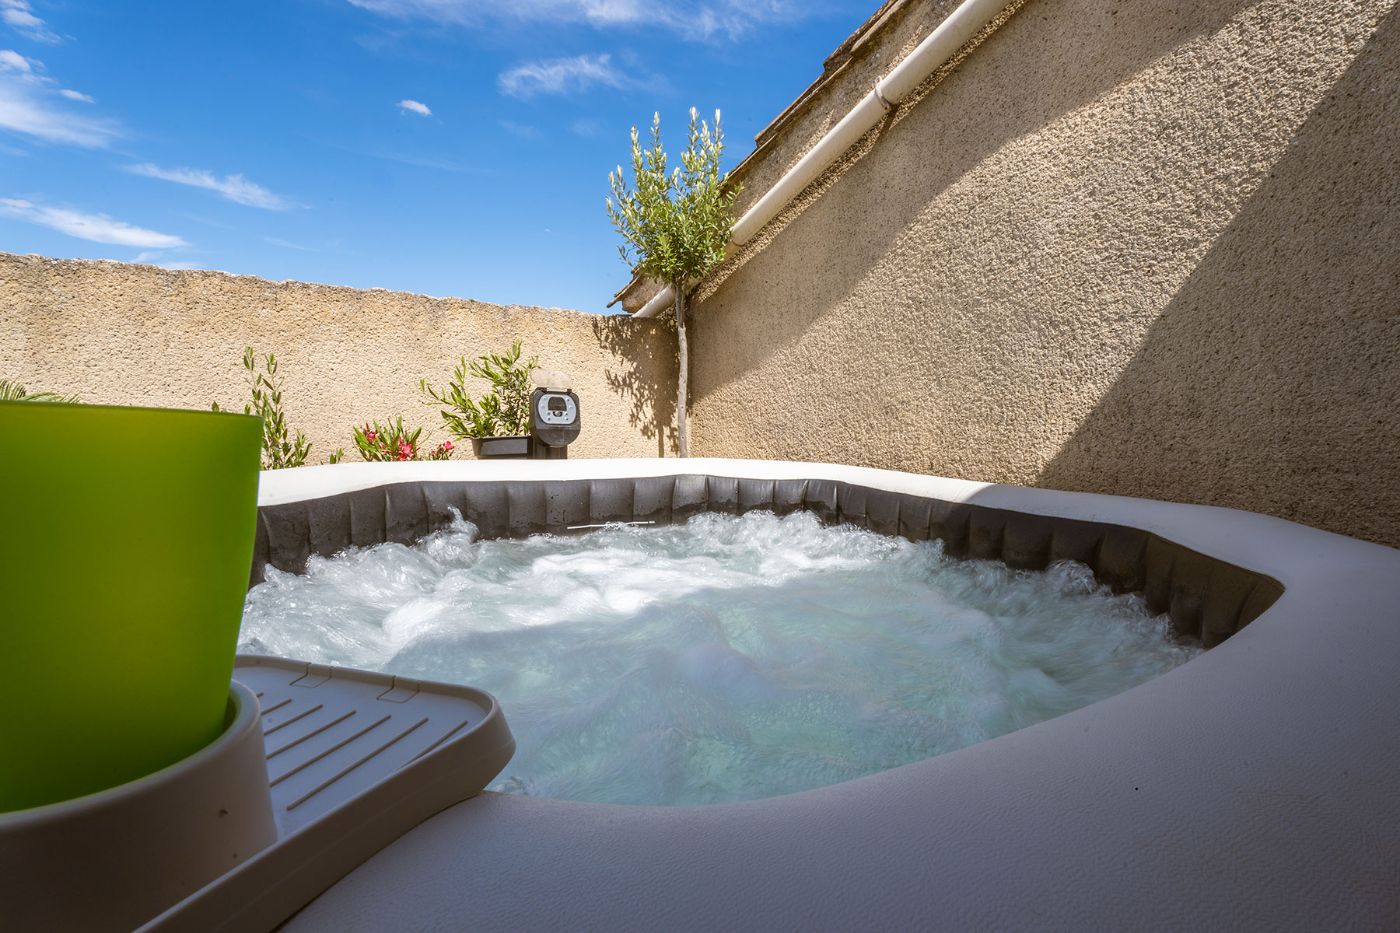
(676, 224)
(503, 411)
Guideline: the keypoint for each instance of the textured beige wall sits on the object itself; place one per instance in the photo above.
(1142, 248)
(139, 335)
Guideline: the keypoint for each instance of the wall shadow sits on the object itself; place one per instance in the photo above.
(1282, 349)
(645, 378)
(1047, 60)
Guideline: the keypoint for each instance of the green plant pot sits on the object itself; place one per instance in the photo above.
(124, 559)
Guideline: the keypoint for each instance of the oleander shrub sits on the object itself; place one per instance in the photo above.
(393, 441)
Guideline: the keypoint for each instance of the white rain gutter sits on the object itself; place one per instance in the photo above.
(938, 47)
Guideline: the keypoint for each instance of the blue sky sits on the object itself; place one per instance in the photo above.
(451, 147)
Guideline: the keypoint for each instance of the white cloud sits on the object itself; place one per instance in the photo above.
(29, 107)
(701, 19)
(30, 104)
(10, 60)
(19, 16)
(288, 244)
(31, 70)
(417, 160)
(523, 130)
(413, 106)
(153, 257)
(99, 228)
(560, 76)
(234, 188)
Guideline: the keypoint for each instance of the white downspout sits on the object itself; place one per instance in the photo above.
(938, 47)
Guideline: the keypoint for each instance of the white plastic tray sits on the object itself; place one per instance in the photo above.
(354, 760)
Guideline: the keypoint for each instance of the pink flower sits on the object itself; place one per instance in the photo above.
(371, 437)
(445, 445)
(405, 452)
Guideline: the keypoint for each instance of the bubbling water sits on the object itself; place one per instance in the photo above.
(729, 658)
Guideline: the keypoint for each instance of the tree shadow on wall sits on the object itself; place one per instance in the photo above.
(646, 378)
(1271, 381)
(1048, 60)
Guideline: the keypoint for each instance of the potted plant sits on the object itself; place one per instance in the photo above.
(497, 423)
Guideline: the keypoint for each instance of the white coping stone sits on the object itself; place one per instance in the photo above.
(1255, 787)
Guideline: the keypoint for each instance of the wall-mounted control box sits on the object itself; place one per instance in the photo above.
(554, 423)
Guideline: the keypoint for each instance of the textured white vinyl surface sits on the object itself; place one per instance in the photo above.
(1251, 788)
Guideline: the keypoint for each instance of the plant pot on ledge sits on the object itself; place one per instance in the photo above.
(512, 447)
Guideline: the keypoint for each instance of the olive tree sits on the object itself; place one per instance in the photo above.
(675, 224)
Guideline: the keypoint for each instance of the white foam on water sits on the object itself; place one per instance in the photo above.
(726, 659)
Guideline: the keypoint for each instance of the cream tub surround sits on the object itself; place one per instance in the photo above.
(1252, 788)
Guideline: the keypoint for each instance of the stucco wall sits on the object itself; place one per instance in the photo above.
(138, 335)
(1148, 249)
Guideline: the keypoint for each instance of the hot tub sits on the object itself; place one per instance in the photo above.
(1250, 787)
